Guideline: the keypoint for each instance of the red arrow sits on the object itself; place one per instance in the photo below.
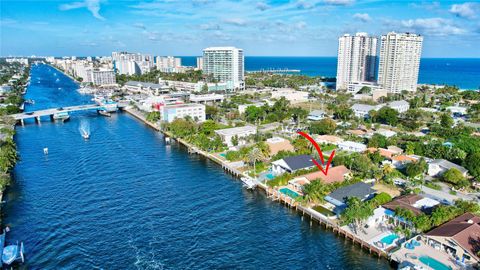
(319, 150)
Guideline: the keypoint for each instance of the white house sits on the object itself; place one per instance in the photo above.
(316, 115)
(361, 110)
(292, 164)
(352, 146)
(437, 167)
(457, 110)
(290, 94)
(400, 106)
(241, 132)
(195, 111)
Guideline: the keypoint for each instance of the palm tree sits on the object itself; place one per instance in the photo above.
(252, 157)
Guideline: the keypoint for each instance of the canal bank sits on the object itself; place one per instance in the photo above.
(273, 194)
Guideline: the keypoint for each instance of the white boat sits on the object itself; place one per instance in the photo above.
(86, 136)
(61, 116)
(249, 183)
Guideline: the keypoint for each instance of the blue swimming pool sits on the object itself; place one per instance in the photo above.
(389, 239)
(223, 154)
(269, 176)
(289, 192)
(432, 263)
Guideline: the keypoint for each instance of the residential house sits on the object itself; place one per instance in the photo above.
(352, 146)
(240, 132)
(437, 167)
(328, 139)
(339, 197)
(277, 144)
(401, 161)
(292, 164)
(400, 106)
(316, 115)
(413, 202)
(459, 237)
(362, 110)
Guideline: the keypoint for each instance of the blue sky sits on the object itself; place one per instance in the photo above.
(260, 27)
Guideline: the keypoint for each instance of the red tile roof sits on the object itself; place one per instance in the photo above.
(335, 174)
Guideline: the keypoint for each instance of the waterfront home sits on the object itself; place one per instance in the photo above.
(437, 167)
(328, 139)
(171, 112)
(460, 238)
(227, 134)
(277, 144)
(352, 146)
(417, 204)
(316, 115)
(395, 149)
(340, 196)
(335, 174)
(292, 164)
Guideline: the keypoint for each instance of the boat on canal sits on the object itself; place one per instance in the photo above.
(248, 182)
(11, 253)
(61, 116)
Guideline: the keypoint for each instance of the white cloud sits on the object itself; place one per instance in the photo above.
(432, 26)
(236, 21)
(92, 5)
(467, 10)
(364, 17)
(339, 2)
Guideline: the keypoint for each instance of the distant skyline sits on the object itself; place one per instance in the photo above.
(261, 28)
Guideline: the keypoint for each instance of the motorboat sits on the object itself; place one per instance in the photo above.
(248, 182)
(11, 253)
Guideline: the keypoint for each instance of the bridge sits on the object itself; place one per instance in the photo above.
(21, 117)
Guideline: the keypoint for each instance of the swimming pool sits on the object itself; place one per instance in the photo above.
(223, 155)
(431, 262)
(389, 239)
(269, 176)
(289, 192)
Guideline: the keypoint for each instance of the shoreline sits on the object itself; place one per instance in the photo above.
(272, 194)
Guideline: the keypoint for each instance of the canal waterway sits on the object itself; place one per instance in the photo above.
(125, 200)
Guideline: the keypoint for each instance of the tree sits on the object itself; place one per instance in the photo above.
(455, 177)
(356, 213)
(324, 126)
(414, 169)
(377, 140)
(301, 146)
(343, 112)
(252, 157)
(211, 111)
(446, 120)
(472, 163)
(235, 140)
(208, 127)
(388, 116)
(153, 116)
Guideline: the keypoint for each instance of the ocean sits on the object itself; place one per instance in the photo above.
(462, 72)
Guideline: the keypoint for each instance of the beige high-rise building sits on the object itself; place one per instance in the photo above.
(399, 61)
(357, 57)
(225, 64)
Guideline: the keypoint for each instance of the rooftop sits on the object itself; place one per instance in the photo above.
(448, 165)
(359, 190)
(415, 203)
(335, 174)
(236, 130)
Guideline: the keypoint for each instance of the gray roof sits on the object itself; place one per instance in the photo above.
(359, 190)
(363, 107)
(316, 113)
(299, 162)
(449, 165)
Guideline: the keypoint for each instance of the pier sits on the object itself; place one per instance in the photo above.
(276, 71)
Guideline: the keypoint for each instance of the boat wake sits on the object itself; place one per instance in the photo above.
(84, 129)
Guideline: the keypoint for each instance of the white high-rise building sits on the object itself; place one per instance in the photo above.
(199, 63)
(357, 57)
(225, 64)
(399, 61)
(168, 63)
(102, 77)
(132, 63)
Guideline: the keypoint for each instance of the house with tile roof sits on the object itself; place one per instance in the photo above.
(459, 237)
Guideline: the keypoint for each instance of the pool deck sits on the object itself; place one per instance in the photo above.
(410, 255)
